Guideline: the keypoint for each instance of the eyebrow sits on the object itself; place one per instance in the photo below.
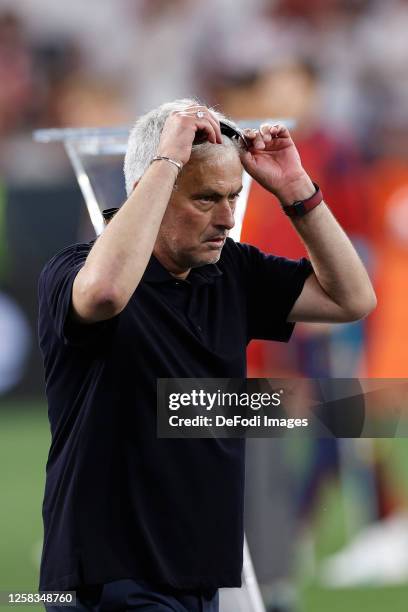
(213, 193)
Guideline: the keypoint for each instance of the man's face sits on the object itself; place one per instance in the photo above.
(201, 211)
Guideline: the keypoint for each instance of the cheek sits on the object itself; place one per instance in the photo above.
(187, 223)
(172, 224)
(176, 230)
(183, 224)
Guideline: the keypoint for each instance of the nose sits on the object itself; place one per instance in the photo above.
(223, 216)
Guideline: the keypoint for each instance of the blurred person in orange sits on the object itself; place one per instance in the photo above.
(388, 178)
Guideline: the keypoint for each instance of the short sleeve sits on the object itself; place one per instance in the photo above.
(274, 284)
(55, 300)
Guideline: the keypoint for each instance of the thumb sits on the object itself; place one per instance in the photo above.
(248, 161)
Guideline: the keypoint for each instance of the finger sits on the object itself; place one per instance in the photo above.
(254, 138)
(279, 130)
(265, 131)
(250, 133)
(258, 141)
(216, 125)
(206, 126)
(196, 107)
(247, 160)
(208, 116)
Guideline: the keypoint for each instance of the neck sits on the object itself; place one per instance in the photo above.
(172, 267)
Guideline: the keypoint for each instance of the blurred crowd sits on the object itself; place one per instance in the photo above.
(102, 63)
(339, 68)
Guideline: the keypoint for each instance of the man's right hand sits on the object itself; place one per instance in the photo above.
(181, 128)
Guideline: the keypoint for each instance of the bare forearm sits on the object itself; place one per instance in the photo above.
(337, 266)
(340, 289)
(119, 257)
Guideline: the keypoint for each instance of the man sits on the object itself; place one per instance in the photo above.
(132, 521)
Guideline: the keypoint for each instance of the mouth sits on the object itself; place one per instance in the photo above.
(216, 241)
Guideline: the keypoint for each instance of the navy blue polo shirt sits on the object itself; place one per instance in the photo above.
(119, 502)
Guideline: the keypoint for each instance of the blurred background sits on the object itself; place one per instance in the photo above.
(327, 521)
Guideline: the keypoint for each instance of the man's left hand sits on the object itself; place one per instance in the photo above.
(273, 161)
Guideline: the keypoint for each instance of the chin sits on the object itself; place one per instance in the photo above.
(213, 254)
(201, 256)
(214, 258)
(209, 258)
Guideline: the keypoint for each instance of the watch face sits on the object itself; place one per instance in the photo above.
(297, 209)
(302, 207)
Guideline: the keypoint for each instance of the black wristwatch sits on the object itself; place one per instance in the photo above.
(302, 207)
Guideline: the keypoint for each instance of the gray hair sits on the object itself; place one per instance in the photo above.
(144, 138)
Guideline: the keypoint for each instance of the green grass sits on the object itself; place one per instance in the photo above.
(329, 534)
(24, 443)
(375, 599)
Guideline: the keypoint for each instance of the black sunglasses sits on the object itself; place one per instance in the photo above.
(233, 133)
(228, 130)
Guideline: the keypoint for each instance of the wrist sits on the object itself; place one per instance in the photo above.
(176, 163)
(173, 153)
(302, 207)
(294, 191)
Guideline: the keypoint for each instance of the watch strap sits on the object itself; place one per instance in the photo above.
(302, 207)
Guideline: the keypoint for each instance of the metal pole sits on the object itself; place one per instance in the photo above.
(91, 202)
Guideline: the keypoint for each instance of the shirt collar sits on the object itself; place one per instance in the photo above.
(157, 273)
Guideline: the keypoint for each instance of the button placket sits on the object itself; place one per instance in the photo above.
(194, 309)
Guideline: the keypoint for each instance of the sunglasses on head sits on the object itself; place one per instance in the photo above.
(233, 133)
(226, 129)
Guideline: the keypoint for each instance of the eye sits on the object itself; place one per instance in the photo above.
(204, 203)
(233, 198)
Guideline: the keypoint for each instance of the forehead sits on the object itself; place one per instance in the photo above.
(217, 169)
